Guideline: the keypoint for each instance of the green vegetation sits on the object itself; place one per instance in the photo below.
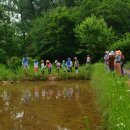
(92, 34)
(113, 96)
(9, 74)
(124, 44)
(57, 29)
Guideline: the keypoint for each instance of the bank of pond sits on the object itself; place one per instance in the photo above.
(84, 73)
(102, 102)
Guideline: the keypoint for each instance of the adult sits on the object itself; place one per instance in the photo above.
(42, 67)
(58, 65)
(68, 64)
(118, 62)
(122, 64)
(76, 64)
(111, 60)
(49, 66)
(25, 64)
(88, 60)
(106, 59)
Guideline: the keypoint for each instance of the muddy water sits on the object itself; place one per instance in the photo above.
(48, 106)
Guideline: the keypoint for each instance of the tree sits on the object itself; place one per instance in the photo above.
(122, 44)
(114, 12)
(94, 36)
(53, 34)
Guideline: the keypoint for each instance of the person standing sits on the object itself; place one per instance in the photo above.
(88, 60)
(68, 64)
(111, 60)
(71, 65)
(49, 66)
(76, 64)
(118, 62)
(58, 65)
(106, 59)
(25, 64)
(122, 64)
(42, 67)
(63, 65)
(35, 67)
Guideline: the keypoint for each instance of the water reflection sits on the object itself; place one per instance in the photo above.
(36, 92)
(6, 97)
(69, 92)
(60, 128)
(26, 96)
(51, 93)
(42, 106)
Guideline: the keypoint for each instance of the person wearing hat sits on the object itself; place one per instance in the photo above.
(76, 64)
(122, 62)
(111, 60)
(118, 62)
(49, 66)
(58, 65)
(42, 67)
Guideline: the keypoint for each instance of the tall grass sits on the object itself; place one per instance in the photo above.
(114, 98)
(85, 72)
(8, 74)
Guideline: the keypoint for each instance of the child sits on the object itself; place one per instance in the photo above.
(35, 67)
(63, 65)
(69, 65)
(42, 66)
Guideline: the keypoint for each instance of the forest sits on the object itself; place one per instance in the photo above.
(57, 29)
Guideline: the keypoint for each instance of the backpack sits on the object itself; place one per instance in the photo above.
(68, 63)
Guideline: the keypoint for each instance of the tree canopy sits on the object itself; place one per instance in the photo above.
(62, 28)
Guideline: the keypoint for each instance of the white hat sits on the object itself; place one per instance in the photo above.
(111, 53)
(56, 61)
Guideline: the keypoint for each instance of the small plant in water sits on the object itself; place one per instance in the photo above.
(86, 122)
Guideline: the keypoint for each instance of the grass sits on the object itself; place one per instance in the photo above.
(114, 98)
(7, 74)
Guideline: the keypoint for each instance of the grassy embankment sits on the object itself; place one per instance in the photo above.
(114, 98)
(7, 74)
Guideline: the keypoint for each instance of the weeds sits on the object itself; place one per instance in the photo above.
(113, 97)
(9, 74)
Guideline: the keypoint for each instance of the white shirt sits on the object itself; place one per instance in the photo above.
(42, 66)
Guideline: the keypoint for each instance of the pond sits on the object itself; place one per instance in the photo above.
(51, 105)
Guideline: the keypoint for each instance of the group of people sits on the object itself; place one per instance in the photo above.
(65, 65)
(114, 61)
